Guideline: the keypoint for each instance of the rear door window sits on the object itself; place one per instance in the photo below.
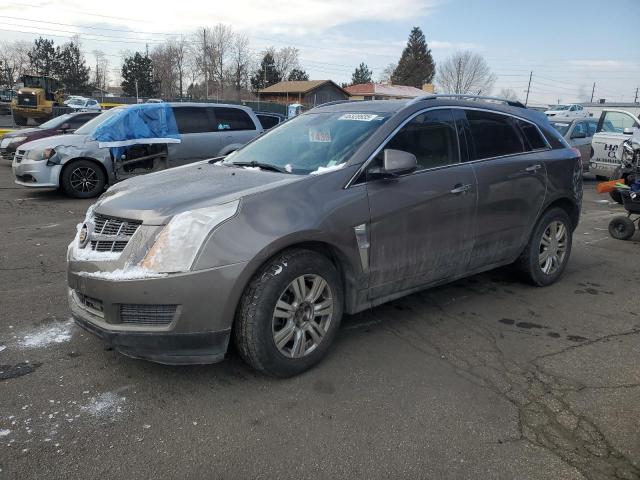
(493, 135)
(268, 121)
(192, 120)
(592, 125)
(431, 137)
(232, 119)
(532, 136)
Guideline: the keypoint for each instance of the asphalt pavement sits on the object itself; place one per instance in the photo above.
(484, 378)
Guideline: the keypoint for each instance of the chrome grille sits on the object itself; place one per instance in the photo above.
(150, 315)
(111, 234)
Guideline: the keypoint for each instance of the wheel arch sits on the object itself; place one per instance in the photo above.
(569, 206)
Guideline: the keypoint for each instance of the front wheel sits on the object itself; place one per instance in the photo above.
(622, 228)
(83, 179)
(289, 313)
(546, 256)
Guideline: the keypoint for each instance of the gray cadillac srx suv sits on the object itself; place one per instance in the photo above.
(338, 210)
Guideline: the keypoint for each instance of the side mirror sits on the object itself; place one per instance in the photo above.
(398, 162)
(579, 135)
(628, 131)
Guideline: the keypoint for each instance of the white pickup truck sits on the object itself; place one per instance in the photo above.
(614, 127)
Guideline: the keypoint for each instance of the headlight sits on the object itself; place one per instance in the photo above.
(180, 240)
(17, 139)
(45, 154)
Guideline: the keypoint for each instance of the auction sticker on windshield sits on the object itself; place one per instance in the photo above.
(361, 117)
(320, 135)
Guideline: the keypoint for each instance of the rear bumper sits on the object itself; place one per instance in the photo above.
(166, 348)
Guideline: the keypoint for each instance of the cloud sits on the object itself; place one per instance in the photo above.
(275, 16)
(439, 45)
(603, 63)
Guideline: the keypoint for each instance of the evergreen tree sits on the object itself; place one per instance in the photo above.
(138, 68)
(416, 66)
(42, 57)
(362, 74)
(297, 75)
(266, 75)
(71, 69)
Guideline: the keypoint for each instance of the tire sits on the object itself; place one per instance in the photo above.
(530, 260)
(20, 120)
(258, 324)
(622, 228)
(83, 179)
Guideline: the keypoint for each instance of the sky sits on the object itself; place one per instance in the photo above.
(568, 45)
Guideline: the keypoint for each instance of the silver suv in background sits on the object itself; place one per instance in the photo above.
(81, 168)
(578, 132)
(337, 210)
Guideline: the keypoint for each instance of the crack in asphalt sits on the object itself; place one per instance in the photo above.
(545, 417)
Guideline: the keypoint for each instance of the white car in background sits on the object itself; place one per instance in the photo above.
(81, 104)
(614, 127)
(572, 110)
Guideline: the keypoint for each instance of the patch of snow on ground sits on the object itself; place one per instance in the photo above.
(105, 404)
(2, 347)
(129, 273)
(47, 335)
(4, 432)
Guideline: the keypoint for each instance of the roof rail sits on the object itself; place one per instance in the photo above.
(432, 96)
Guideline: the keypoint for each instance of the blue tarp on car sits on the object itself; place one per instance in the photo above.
(138, 124)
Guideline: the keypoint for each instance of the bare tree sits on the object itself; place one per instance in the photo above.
(509, 94)
(14, 62)
(163, 70)
(101, 72)
(240, 63)
(178, 51)
(286, 59)
(222, 37)
(385, 76)
(465, 72)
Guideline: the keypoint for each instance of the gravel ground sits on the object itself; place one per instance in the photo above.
(483, 378)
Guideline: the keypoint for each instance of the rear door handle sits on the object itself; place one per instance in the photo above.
(533, 168)
(459, 188)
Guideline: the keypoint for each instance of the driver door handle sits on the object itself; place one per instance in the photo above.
(533, 168)
(459, 188)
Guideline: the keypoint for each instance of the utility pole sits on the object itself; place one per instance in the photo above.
(136, 90)
(593, 91)
(635, 100)
(204, 61)
(528, 88)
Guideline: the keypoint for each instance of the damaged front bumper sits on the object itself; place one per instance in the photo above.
(36, 173)
(175, 319)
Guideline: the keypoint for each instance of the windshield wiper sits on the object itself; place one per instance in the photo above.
(263, 166)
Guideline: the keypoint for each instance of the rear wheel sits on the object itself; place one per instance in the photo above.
(289, 313)
(622, 228)
(83, 179)
(547, 254)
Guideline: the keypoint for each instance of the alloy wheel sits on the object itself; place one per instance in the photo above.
(302, 316)
(553, 247)
(83, 179)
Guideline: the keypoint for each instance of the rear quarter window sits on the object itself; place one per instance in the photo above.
(232, 119)
(268, 121)
(532, 135)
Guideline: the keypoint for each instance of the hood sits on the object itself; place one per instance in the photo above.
(23, 132)
(55, 141)
(156, 197)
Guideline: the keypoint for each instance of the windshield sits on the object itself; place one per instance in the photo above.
(88, 127)
(55, 122)
(561, 127)
(76, 101)
(311, 143)
(559, 107)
